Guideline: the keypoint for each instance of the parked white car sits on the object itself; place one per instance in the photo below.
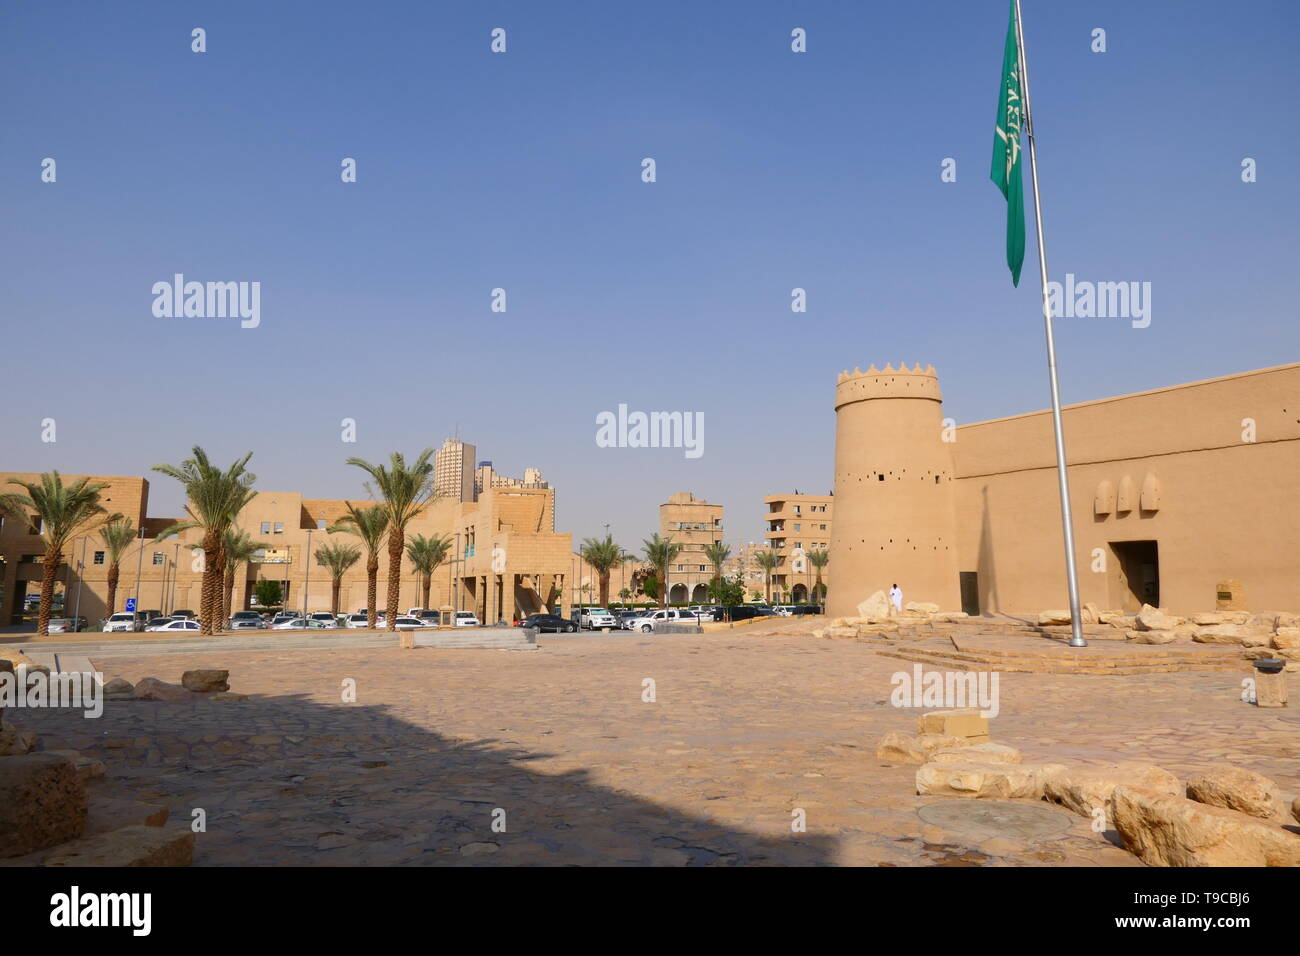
(123, 621)
(325, 617)
(784, 610)
(358, 620)
(300, 624)
(466, 619)
(594, 618)
(652, 619)
(183, 624)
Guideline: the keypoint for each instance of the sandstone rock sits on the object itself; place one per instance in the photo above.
(1115, 619)
(1286, 620)
(1084, 789)
(1090, 613)
(1239, 634)
(129, 846)
(916, 748)
(119, 689)
(42, 803)
(977, 753)
(1287, 638)
(1050, 618)
(967, 722)
(1153, 637)
(1211, 618)
(842, 631)
(202, 681)
(228, 695)
(875, 608)
(151, 688)
(921, 607)
(107, 814)
(1153, 619)
(88, 768)
(1236, 789)
(998, 781)
(949, 617)
(16, 740)
(1295, 809)
(1162, 830)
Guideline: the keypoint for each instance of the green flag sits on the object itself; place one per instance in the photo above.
(1006, 151)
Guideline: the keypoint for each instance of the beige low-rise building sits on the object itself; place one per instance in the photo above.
(506, 559)
(695, 524)
(798, 524)
(1183, 497)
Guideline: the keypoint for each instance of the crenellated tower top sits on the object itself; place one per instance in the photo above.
(889, 382)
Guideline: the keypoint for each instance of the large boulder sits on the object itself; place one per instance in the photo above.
(1239, 634)
(119, 689)
(875, 608)
(151, 688)
(1163, 830)
(1287, 638)
(1236, 789)
(1085, 789)
(995, 781)
(977, 753)
(130, 846)
(1153, 637)
(915, 748)
(16, 740)
(1153, 619)
(42, 803)
(1211, 618)
(203, 681)
(921, 607)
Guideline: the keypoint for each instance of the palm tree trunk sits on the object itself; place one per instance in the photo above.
(338, 585)
(228, 598)
(372, 587)
(53, 558)
(114, 574)
(396, 543)
(663, 587)
(428, 586)
(210, 594)
(604, 589)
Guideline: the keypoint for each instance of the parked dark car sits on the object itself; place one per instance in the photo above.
(185, 612)
(762, 611)
(807, 609)
(742, 612)
(549, 622)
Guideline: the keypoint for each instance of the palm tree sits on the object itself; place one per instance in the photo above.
(405, 490)
(768, 561)
(214, 499)
(63, 511)
(426, 555)
(819, 559)
(370, 525)
(337, 559)
(238, 548)
(603, 555)
(717, 553)
(659, 553)
(117, 536)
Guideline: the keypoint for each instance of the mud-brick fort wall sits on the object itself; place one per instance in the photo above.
(1174, 491)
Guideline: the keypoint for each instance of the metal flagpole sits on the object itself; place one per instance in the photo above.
(1067, 523)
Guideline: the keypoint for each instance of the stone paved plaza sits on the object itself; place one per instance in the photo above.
(747, 726)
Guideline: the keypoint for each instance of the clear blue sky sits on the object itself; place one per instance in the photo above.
(522, 170)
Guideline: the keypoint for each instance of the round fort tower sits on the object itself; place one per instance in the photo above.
(894, 518)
